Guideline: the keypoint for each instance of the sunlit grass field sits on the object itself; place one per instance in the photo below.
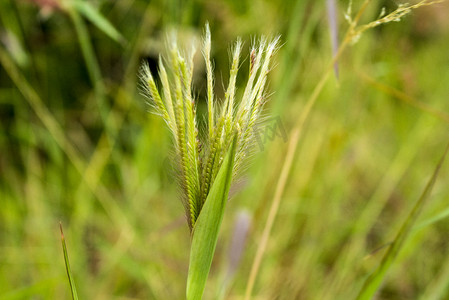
(79, 145)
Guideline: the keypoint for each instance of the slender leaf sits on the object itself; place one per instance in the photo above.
(374, 280)
(438, 217)
(67, 266)
(205, 232)
(89, 12)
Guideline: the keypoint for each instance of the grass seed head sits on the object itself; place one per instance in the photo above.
(199, 159)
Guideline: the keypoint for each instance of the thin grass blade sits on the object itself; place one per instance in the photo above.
(373, 282)
(440, 216)
(205, 232)
(67, 266)
(89, 12)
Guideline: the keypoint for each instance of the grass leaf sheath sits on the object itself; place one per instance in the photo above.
(206, 230)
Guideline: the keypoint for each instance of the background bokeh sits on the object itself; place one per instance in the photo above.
(79, 145)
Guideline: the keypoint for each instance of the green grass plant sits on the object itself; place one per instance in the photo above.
(326, 197)
(205, 170)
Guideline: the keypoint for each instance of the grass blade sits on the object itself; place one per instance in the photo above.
(373, 282)
(440, 216)
(205, 232)
(89, 12)
(67, 266)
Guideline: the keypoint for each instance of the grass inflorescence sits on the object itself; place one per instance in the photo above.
(337, 200)
(199, 159)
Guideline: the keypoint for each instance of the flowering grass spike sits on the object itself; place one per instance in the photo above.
(199, 160)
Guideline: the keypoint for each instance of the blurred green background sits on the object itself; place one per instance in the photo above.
(79, 145)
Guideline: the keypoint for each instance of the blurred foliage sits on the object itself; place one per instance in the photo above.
(78, 145)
